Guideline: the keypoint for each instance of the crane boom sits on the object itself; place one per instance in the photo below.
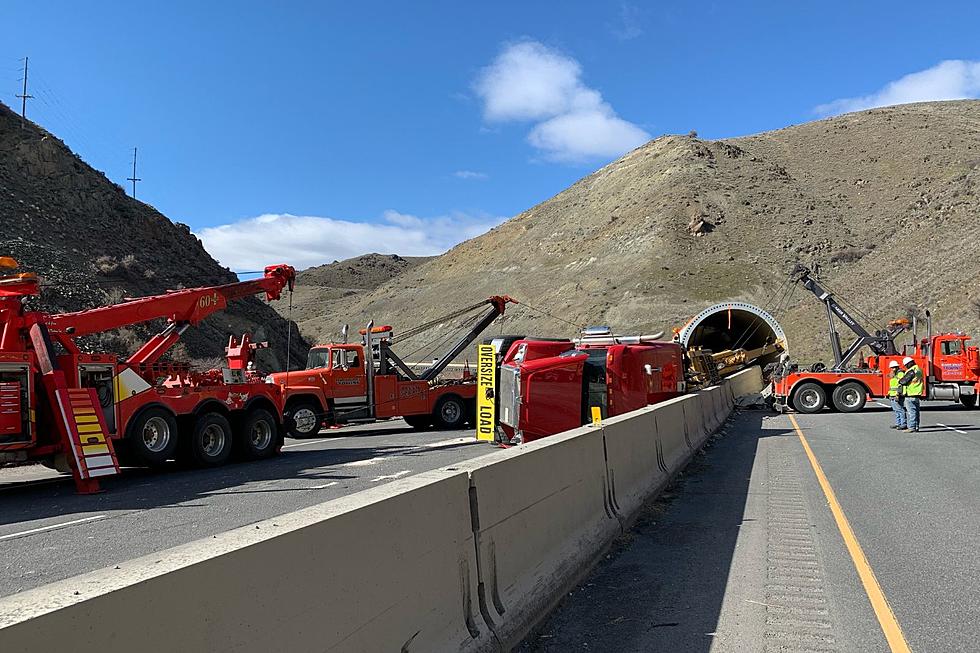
(881, 343)
(181, 308)
(497, 305)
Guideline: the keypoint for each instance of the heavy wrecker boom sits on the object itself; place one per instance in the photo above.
(881, 343)
(181, 309)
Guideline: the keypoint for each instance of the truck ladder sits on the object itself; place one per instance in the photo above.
(80, 423)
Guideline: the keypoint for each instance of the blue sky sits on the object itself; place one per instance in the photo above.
(331, 129)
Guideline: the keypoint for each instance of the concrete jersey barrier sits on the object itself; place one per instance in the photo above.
(388, 569)
(542, 513)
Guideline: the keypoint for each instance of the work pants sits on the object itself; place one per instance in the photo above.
(912, 413)
(898, 408)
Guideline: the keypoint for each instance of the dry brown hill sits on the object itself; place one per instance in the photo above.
(94, 245)
(886, 201)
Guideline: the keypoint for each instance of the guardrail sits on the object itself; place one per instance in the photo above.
(467, 558)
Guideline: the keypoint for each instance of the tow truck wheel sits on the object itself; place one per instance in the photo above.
(152, 438)
(849, 397)
(304, 420)
(257, 436)
(210, 441)
(968, 401)
(449, 413)
(809, 398)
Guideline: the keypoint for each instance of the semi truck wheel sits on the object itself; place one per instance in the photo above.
(809, 398)
(849, 397)
(304, 420)
(257, 436)
(152, 438)
(210, 441)
(449, 413)
(968, 401)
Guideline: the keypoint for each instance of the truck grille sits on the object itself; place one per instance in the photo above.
(508, 397)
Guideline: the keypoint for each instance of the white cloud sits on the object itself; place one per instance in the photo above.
(529, 82)
(470, 174)
(948, 80)
(305, 241)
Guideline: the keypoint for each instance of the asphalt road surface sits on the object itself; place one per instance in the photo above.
(744, 553)
(48, 533)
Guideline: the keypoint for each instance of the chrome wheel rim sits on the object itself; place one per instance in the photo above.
(261, 435)
(213, 440)
(851, 398)
(810, 398)
(156, 434)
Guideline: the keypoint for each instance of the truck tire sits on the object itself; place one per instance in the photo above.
(809, 398)
(419, 422)
(151, 438)
(849, 397)
(257, 435)
(304, 420)
(449, 413)
(210, 441)
(968, 401)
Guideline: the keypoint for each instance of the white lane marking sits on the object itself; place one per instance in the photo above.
(883, 405)
(321, 487)
(312, 441)
(391, 477)
(951, 428)
(364, 463)
(51, 527)
(446, 443)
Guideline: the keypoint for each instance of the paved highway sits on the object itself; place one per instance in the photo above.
(48, 533)
(746, 554)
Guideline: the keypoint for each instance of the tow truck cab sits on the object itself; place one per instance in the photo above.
(550, 387)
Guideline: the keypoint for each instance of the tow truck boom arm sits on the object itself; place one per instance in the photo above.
(497, 306)
(180, 307)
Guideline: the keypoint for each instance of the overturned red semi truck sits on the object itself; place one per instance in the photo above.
(548, 386)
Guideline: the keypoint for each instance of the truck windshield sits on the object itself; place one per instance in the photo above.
(317, 358)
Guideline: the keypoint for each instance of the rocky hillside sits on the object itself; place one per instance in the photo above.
(885, 201)
(94, 245)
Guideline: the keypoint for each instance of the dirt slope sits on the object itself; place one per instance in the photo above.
(326, 293)
(94, 245)
(884, 200)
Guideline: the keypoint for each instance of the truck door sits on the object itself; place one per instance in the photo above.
(950, 360)
(348, 383)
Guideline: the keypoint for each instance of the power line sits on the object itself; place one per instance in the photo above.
(24, 97)
(134, 178)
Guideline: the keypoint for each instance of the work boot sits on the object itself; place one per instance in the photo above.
(896, 426)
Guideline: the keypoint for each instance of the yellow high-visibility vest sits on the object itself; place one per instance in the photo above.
(916, 386)
(893, 380)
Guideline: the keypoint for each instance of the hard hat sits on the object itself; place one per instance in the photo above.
(892, 363)
(907, 360)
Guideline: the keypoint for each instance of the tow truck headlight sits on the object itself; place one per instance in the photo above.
(269, 380)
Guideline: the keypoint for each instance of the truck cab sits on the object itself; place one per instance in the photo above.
(549, 387)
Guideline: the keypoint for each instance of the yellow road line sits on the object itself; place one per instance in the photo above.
(886, 618)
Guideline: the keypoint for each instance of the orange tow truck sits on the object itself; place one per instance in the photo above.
(367, 381)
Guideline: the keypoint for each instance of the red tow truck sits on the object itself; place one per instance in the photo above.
(82, 412)
(341, 384)
(549, 386)
(950, 364)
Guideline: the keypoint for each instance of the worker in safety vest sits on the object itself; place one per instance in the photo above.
(897, 400)
(912, 386)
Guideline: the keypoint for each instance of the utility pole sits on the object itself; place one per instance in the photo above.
(24, 97)
(134, 178)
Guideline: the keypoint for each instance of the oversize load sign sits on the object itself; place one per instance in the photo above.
(485, 390)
